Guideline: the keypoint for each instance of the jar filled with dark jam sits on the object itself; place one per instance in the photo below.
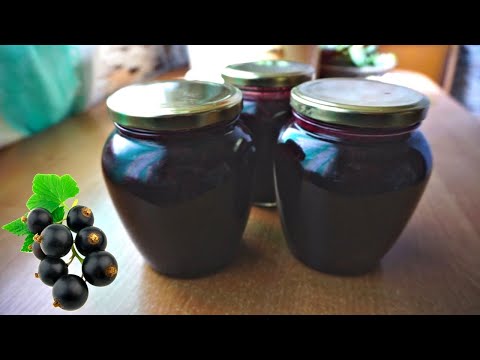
(266, 89)
(350, 169)
(179, 168)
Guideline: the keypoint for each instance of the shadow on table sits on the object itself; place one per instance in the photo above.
(266, 279)
(256, 283)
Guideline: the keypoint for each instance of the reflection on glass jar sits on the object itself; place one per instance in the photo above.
(266, 89)
(179, 169)
(350, 169)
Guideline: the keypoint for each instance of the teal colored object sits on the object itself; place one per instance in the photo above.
(39, 85)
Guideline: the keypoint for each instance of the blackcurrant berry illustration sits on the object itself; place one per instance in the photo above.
(55, 236)
(51, 269)
(70, 292)
(100, 268)
(37, 251)
(90, 239)
(38, 219)
(56, 240)
(79, 217)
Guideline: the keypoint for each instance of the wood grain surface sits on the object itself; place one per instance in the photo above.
(434, 268)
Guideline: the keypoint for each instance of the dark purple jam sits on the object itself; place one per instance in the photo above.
(265, 111)
(345, 194)
(183, 196)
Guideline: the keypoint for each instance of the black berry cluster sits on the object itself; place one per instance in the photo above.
(54, 241)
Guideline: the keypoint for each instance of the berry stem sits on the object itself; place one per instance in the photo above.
(75, 254)
(71, 259)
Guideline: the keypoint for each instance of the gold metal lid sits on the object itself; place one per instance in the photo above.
(265, 73)
(174, 104)
(359, 103)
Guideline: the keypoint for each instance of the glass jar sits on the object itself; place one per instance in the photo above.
(350, 169)
(266, 89)
(179, 169)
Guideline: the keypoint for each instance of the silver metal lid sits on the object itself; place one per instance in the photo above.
(265, 73)
(174, 105)
(359, 103)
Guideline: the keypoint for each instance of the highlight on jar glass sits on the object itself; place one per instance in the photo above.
(266, 89)
(179, 169)
(349, 170)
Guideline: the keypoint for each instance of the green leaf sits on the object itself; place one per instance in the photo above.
(371, 49)
(51, 190)
(37, 201)
(58, 214)
(17, 227)
(357, 55)
(26, 245)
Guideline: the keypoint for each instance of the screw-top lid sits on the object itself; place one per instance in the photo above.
(268, 73)
(359, 103)
(174, 105)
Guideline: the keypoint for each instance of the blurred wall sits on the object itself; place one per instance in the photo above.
(309, 54)
(432, 60)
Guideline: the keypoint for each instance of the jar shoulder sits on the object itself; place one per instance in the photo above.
(150, 160)
(184, 147)
(373, 166)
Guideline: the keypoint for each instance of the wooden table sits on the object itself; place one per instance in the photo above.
(434, 268)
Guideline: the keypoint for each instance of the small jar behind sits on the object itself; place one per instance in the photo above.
(349, 170)
(179, 169)
(266, 89)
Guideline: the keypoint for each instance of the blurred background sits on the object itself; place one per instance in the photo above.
(42, 85)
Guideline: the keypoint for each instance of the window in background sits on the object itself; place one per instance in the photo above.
(208, 61)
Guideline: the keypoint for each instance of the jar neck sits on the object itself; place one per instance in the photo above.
(350, 133)
(266, 93)
(216, 129)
